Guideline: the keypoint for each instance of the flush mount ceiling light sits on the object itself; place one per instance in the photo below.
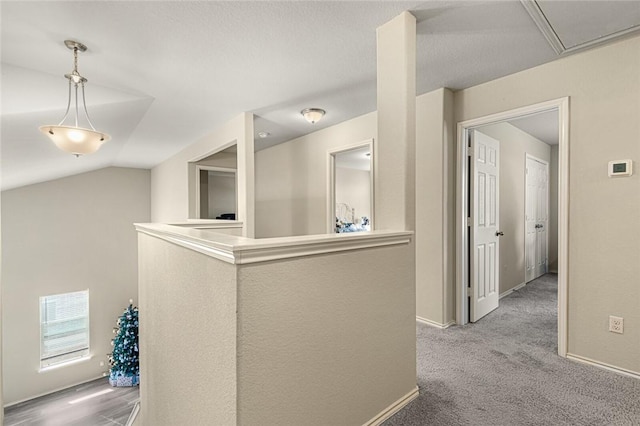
(313, 115)
(74, 139)
(264, 134)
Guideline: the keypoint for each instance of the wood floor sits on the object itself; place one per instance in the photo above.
(104, 406)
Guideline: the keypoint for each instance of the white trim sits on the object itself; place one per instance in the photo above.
(603, 366)
(65, 363)
(209, 224)
(134, 413)
(331, 183)
(246, 255)
(52, 391)
(218, 252)
(434, 323)
(543, 25)
(563, 226)
(562, 106)
(240, 250)
(215, 150)
(461, 226)
(511, 290)
(393, 408)
(538, 16)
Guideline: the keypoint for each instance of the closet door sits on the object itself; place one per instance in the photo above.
(536, 217)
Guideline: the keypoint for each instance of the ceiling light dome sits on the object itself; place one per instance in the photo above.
(74, 139)
(313, 115)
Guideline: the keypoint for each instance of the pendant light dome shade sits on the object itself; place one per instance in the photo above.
(313, 115)
(75, 139)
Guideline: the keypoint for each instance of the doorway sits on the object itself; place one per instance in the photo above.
(469, 256)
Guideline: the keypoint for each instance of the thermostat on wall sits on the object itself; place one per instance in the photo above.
(620, 168)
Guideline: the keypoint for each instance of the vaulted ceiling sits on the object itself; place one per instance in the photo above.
(162, 74)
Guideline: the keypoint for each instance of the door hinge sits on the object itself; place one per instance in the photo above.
(468, 221)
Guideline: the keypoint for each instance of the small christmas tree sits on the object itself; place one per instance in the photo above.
(124, 360)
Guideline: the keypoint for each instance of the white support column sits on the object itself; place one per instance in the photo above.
(394, 151)
(246, 181)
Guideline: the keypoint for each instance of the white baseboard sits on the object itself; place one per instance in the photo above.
(393, 408)
(511, 290)
(603, 366)
(434, 323)
(52, 391)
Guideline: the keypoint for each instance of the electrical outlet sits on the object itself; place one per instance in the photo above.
(616, 324)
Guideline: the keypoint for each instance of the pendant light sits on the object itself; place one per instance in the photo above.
(72, 138)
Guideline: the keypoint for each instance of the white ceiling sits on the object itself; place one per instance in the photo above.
(163, 74)
(543, 126)
(358, 159)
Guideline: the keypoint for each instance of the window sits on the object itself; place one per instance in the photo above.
(64, 327)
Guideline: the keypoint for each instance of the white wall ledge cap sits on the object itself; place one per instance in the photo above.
(241, 250)
(208, 223)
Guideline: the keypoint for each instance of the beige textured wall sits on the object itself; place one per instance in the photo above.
(221, 195)
(394, 151)
(604, 232)
(1, 291)
(187, 337)
(553, 209)
(171, 180)
(514, 146)
(434, 199)
(291, 193)
(321, 342)
(60, 236)
(291, 178)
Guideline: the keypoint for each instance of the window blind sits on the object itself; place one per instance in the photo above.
(64, 327)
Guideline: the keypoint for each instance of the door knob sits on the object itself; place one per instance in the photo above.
(499, 234)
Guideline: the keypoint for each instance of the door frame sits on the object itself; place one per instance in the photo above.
(528, 156)
(560, 105)
(331, 182)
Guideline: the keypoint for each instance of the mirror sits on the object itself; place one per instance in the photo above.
(352, 198)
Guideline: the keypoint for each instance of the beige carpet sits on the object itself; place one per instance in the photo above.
(504, 370)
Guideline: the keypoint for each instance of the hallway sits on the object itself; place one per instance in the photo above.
(504, 370)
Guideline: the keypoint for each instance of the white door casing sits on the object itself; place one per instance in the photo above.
(536, 217)
(331, 182)
(463, 230)
(485, 219)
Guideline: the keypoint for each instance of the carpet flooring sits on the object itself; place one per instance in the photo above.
(504, 370)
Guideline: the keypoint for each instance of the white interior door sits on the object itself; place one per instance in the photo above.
(485, 220)
(536, 217)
